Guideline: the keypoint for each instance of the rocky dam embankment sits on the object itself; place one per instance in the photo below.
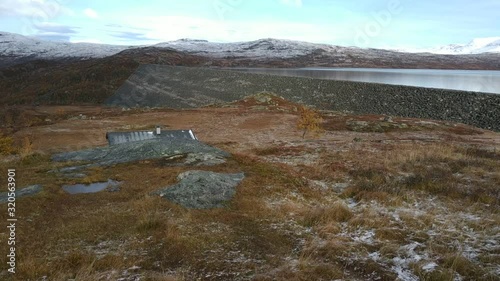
(184, 87)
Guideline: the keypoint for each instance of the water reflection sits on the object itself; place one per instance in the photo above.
(90, 188)
(487, 81)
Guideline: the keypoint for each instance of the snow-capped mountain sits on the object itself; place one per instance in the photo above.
(476, 46)
(262, 48)
(17, 49)
(14, 45)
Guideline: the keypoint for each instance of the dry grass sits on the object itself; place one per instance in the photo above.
(179, 238)
(281, 151)
(399, 177)
(26, 148)
(286, 222)
(6, 145)
(435, 169)
(338, 212)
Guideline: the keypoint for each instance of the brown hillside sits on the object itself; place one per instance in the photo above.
(93, 81)
(372, 198)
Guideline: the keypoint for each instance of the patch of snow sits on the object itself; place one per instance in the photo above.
(429, 267)
(469, 216)
(400, 267)
(375, 256)
(364, 236)
(320, 184)
(262, 48)
(18, 46)
(351, 203)
(470, 252)
(396, 217)
(402, 263)
(340, 186)
(476, 46)
(14, 45)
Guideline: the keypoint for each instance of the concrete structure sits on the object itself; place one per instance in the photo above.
(123, 137)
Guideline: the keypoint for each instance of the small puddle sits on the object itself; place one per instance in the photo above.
(90, 188)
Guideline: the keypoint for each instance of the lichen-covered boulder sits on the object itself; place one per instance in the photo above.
(202, 189)
(143, 150)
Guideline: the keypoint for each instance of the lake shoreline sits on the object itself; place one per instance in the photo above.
(481, 81)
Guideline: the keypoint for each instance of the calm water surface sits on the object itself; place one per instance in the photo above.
(487, 81)
(89, 188)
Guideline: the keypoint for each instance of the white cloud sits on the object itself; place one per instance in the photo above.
(32, 14)
(40, 9)
(168, 28)
(90, 13)
(55, 28)
(294, 3)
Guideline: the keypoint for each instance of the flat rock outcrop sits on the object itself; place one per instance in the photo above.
(27, 191)
(202, 189)
(143, 150)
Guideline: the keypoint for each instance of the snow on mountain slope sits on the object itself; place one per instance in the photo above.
(14, 45)
(263, 48)
(476, 46)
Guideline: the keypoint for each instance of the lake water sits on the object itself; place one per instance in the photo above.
(487, 81)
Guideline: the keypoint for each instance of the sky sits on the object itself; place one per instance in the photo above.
(363, 23)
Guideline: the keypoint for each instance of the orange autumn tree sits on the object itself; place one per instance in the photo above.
(310, 121)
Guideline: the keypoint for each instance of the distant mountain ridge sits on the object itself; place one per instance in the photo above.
(475, 46)
(262, 48)
(15, 48)
(37, 72)
(18, 45)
